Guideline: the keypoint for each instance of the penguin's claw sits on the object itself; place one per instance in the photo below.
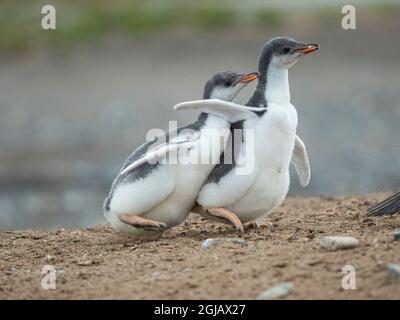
(142, 223)
(250, 225)
(228, 215)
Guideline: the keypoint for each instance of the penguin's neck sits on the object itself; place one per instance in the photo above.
(277, 89)
(272, 87)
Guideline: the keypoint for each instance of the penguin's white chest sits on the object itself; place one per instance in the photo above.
(274, 136)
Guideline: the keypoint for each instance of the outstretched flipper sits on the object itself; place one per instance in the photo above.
(229, 111)
(300, 162)
(161, 152)
(221, 215)
(389, 206)
(142, 223)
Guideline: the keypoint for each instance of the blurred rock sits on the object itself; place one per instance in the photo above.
(49, 259)
(333, 243)
(276, 292)
(394, 271)
(210, 243)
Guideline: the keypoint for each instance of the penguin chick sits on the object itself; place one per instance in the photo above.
(149, 194)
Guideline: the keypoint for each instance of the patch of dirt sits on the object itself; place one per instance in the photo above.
(101, 263)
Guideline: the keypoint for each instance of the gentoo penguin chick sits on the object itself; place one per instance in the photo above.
(252, 195)
(386, 207)
(149, 195)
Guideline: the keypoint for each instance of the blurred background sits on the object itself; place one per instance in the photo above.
(76, 101)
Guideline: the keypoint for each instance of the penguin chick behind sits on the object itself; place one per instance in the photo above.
(148, 195)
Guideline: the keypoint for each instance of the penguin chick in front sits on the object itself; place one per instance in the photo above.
(272, 139)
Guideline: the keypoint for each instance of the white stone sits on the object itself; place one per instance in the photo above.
(394, 271)
(209, 243)
(276, 292)
(338, 242)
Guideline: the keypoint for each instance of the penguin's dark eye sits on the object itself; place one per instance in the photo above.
(227, 83)
(286, 50)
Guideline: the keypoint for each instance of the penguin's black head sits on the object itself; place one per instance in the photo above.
(283, 52)
(226, 85)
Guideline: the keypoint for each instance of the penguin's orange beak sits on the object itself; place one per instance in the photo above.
(308, 48)
(249, 77)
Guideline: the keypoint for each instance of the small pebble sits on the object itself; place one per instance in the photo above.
(209, 243)
(394, 271)
(333, 243)
(281, 264)
(276, 292)
(396, 235)
(49, 258)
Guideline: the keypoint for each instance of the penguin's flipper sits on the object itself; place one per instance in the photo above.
(155, 155)
(229, 111)
(142, 223)
(389, 206)
(300, 162)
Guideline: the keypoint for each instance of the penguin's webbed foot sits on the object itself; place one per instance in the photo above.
(226, 216)
(142, 223)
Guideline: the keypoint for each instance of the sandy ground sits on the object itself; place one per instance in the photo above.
(100, 263)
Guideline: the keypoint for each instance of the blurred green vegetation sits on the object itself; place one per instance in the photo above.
(79, 20)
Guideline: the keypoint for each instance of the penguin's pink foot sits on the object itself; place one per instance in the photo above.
(226, 216)
(142, 223)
